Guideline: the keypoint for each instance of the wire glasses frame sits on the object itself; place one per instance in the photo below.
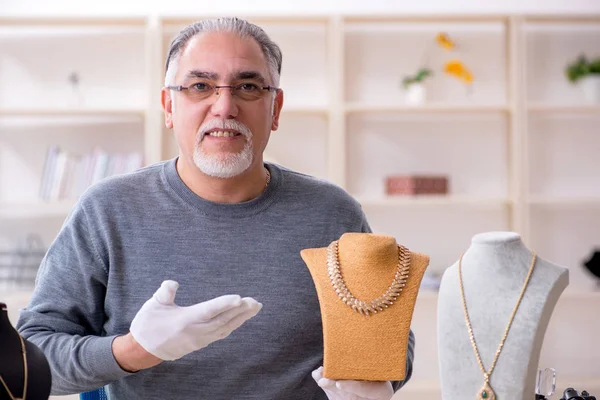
(243, 91)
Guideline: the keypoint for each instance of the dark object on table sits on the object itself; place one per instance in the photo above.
(593, 264)
(572, 394)
(18, 369)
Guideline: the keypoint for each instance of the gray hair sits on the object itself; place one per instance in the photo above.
(239, 26)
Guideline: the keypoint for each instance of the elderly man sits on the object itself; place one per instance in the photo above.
(215, 226)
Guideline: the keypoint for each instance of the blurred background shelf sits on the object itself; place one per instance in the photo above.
(565, 201)
(565, 108)
(433, 200)
(37, 210)
(71, 111)
(429, 108)
(305, 109)
(519, 149)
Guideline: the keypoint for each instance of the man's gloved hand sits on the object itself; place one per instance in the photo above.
(353, 390)
(169, 331)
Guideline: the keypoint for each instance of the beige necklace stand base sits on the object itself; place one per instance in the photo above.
(356, 346)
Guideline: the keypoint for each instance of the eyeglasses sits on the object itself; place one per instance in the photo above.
(243, 91)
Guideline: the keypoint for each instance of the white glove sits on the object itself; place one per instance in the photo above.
(353, 390)
(169, 331)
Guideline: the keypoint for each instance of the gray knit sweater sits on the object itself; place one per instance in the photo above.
(127, 234)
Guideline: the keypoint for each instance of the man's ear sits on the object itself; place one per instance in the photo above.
(166, 102)
(277, 106)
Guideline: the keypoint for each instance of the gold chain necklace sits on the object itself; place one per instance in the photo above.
(486, 392)
(380, 303)
(24, 375)
(268, 179)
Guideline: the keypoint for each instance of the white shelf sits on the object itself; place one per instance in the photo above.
(68, 118)
(83, 117)
(68, 32)
(35, 210)
(432, 200)
(427, 108)
(565, 108)
(45, 112)
(88, 21)
(565, 201)
(304, 109)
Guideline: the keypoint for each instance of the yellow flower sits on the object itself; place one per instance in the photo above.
(444, 41)
(459, 70)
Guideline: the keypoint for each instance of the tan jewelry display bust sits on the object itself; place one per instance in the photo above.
(363, 347)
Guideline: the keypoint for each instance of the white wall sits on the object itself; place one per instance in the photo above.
(266, 7)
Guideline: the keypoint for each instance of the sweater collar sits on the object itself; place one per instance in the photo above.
(225, 210)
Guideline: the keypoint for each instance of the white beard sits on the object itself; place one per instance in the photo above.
(224, 165)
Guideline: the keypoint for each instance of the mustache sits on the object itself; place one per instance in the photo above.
(231, 124)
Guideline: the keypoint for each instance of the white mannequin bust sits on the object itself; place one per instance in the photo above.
(494, 270)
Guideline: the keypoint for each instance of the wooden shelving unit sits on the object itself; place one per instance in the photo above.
(520, 150)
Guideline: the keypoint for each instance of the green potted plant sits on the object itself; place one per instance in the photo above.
(413, 86)
(585, 72)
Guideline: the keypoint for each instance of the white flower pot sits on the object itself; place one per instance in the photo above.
(590, 86)
(414, 94)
